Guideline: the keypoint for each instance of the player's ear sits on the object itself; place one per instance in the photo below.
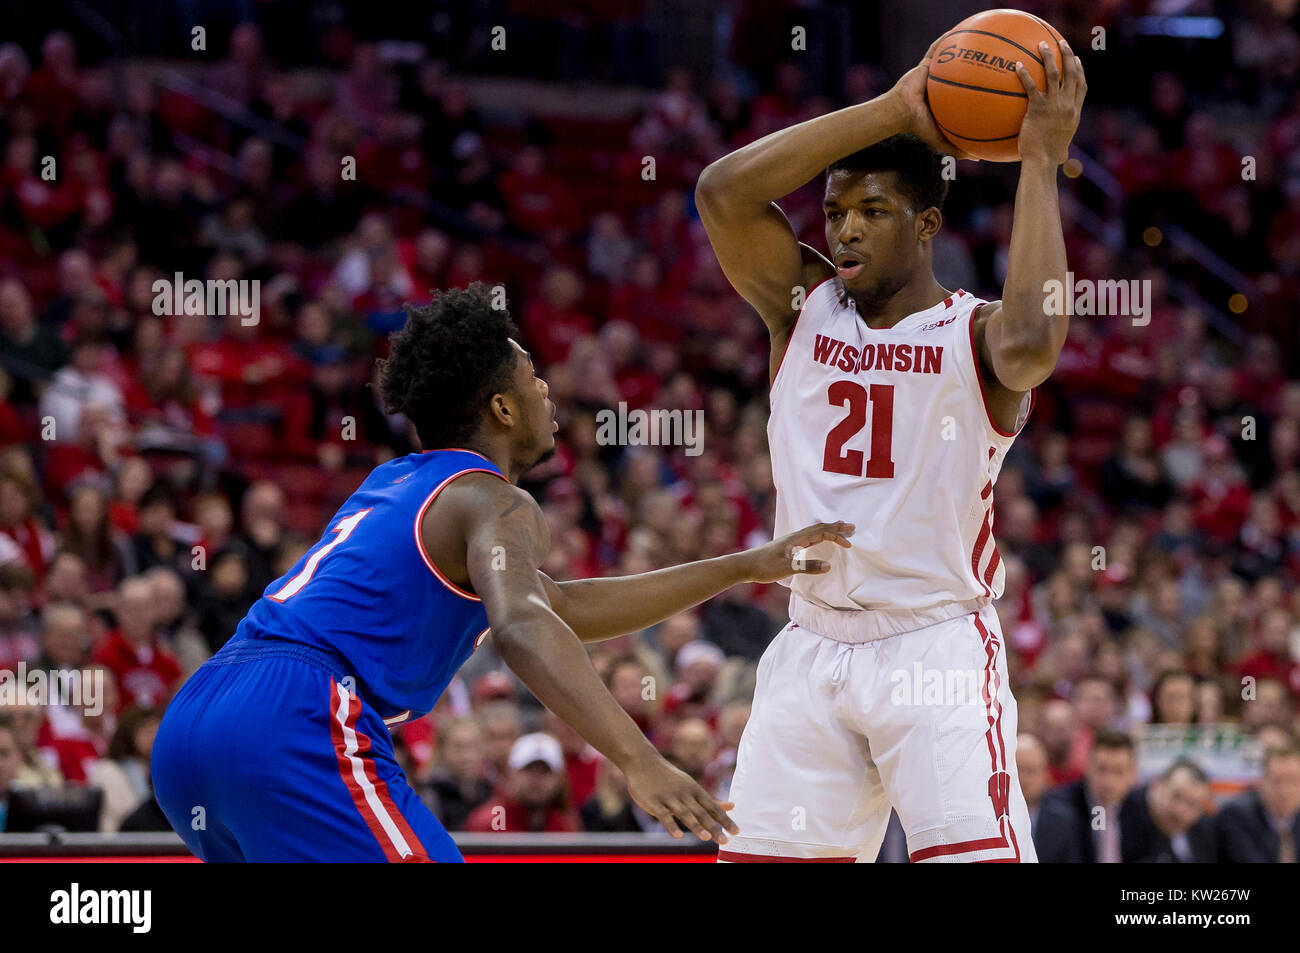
(503, 409)
(928, 224)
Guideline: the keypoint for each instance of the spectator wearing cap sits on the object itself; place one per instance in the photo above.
(457, 783)
(697, 668)
(493, 686)
(147, 674)
(1263, 825)
(533, 797)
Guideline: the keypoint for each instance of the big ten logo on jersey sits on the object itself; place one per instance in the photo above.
(937, 324)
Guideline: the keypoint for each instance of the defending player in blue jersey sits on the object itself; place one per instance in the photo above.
(278, 748)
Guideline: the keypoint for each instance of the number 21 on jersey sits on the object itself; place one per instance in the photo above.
(880, 464)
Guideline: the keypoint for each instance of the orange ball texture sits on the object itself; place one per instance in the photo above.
(975, 95)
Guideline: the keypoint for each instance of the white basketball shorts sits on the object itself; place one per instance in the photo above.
(923, 722)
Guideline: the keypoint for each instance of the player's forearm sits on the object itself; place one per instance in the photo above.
(783, 161)
(599, 609)
(554, 666)
(1031, 334)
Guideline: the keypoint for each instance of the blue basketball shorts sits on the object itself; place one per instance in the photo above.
(263, 755)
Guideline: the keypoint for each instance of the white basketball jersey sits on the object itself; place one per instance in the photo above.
(888, 430)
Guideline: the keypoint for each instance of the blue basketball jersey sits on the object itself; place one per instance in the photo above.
(370, 594)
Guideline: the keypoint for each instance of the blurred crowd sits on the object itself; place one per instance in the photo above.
(158, 471)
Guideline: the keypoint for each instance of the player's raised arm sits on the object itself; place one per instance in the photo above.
(598, 609)
(736, 195)
(507, 538)
(1019, 340)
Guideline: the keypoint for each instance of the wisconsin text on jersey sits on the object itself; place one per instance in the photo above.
(913, 358)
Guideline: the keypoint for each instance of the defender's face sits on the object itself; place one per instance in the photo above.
(537, 412)
(870, 232)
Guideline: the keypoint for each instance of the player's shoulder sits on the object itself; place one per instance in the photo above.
(482, 495)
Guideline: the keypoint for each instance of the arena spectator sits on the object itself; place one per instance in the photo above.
(458, 783)
(1169, 821)
(1263, 825)
(1086, 821)
(123, 775)
(533, 796)
(147, 674)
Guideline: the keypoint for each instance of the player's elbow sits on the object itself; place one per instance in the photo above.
(1024, 368)
(711, 190)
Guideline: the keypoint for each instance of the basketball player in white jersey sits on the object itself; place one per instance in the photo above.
(894, 401)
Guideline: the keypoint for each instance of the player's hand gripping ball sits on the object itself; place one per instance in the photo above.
(975, 95)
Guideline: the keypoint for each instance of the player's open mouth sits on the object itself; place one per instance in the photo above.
(848, 266)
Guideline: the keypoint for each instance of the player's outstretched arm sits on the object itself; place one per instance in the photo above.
(506, 540)
(598, 609)
(1018, 338)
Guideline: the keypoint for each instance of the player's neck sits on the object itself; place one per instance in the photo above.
(885, 312)
(498, 455)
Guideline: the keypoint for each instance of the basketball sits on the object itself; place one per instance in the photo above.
(975, 96)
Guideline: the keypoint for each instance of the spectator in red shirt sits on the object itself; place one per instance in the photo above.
(1066, 745)
(20, 531)
(554, 319)
(147, 674)
(581, 760)
(537, 200)
(81, 738)
(534, 797)
(1272, 656)
(1221, 494)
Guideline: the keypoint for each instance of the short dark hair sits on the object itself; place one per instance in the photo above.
(450, 357)
(159, 492)
(1291, 749)
(919, 168)
(1113, 740)
(1185, 764)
